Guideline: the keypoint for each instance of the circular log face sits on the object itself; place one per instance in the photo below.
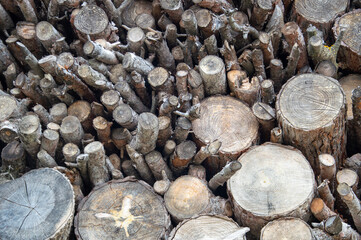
(91, 20)
(321, 11)
(274, 180)
(122, 209)
(7, 107)
(351, 38)
(310, 101)
(348, 84)
(287, 229)
(204, 228)
(228, 120)
(36, 206)
(186, 197)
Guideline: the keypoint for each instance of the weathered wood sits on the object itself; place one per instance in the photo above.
(226, 173)
(182, 129)
(349, 177)
(125, 116)
(197, 200)
(165, 130)
(82, 110)
(287, 228)
(140, 164)
(321, 15)
(272, 195)
(136, 212)
(157, 164)
(71, 130)
(13, 159)
(40, 195)
(320, 210)
(45, 160)
(129, 95)
(70, 152)
(50, 38)
(159, 80)
(213, 73)
(27, 34)
(30, 134)
(182, 156)
(58, 112)
(208, 227)
(353, 203)
(236, 133)
(349, 55)
(307, 105)
(98, 173)
(49, 141)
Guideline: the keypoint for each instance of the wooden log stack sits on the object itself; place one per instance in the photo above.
(180, 119)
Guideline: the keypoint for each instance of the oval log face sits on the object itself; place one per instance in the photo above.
(310, 101)
(122, 209)
(228, 120)
(274, 180)
(38, 205)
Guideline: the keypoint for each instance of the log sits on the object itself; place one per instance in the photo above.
(349, 55)
(349, 177)
(208, 227)
(45, 160)
(42, 195)
(165, 130)
(97, 51)
(174, 8)
(136, 212)
(27, 34)
(280, 228)
(273, 194)
(213, 73)
(129, 95)
(111, 99)
(320, 210)
(58, 112)
(321, 15)
(182, 129)
(92, 20)
(226, 173)
(50, 38)
(236, 133)
(49, 141)
(349, 83)
(182, 156)
(97, 170)
(309, 105)
(30, 134)
(94, 78)
(82, 110)
(140, 164)
(157, 164)
(188, 196)
(13, 159)
(70, 152)
(129, 169)
(353, 203)
(159, 80)
(71, 130)
(120, 138)
(147, 133)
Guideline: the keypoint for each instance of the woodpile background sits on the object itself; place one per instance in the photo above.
(180, 119)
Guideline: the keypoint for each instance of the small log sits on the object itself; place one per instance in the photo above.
(97, 170)
(326, 68)
(293, 35)
(276, 72)
(205, 22)
(6, 58)
(174, 8)
(226, 173)
(353, 203)
(132, 62)
(145, 21)
(354, 163)
(147, 133)
(125, 116)
(29, 88)
(258, 63)
(120, 138)
(9, 130)
(168, 106)
(326, 194)
(27, 8)
(97, 51)
(182, 129)
(91, 20)
(257, 206)
(140, 164)
(27, 34)
(25, 224)
(280, 228)
(249, 91)
(13, 159)
(150, 219)
(327, 168)
(349, 177)
(322, 117)
(349, 83)
(157, 164)
(213, 73)
(140, 88)
(94, 78)
(45, 160)
(196, 84)
(43, 114)
(207, 227)
(70, 152)
(182, 156)
(71, 130)
(49, 141)
(190, 22)
(5, 19)
(268, 92)
(115, 160)
(261, 11)
(102, 127)
(129, 169)
(111, 99)
(320, 210)
(266, 116)
(58, 112)
(169, 148)
(50, 38)
(129, 95)
(160, 81)
(115, 173)
(162, 186)
(30, 134)
(82, 110)
(207, 151)
(165, 130)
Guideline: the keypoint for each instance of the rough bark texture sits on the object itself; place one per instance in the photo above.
(309, 106)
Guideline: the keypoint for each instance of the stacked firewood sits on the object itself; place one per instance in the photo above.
(150, 107)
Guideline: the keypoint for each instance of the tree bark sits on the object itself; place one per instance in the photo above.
(97, 170)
